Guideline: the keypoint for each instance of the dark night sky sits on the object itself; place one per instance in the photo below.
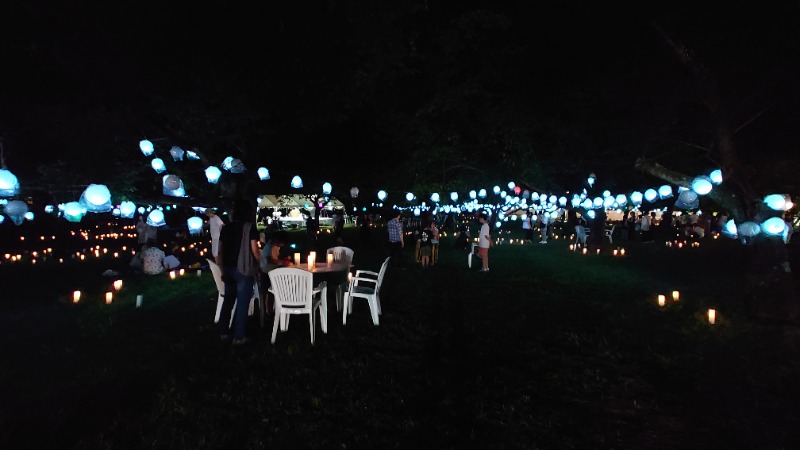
(74, 76)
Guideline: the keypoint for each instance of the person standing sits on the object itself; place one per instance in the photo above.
(238, 273)
(527, 227)
(484, 242)
(426, 246)
(644, 226)
(395, 230)
(215, 225)
(141, 230)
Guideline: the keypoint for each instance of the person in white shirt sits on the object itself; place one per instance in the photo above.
(484, 242)
(215, 225)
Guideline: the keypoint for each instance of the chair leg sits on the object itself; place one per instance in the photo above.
(275, 324)
(311, 326)
(345, 307)
(220, 301)
(373, 309)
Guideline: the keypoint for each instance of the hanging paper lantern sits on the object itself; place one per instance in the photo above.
(227, 163)
(650, 195)
(562, 201)
(16, 210)
(29, 216)
(9, 185)
(576, 201)
(177, 153)
(158, 165)
(146, 147)
(173, 186)
(715, 176)
(687, 199)
(587, 204)
(730, 228)
(749, 229)
(74, 211)
(778, 202)
(212, 174)
(636, 198)
(409, 196)
(702, 185)
(263, 173)
(621, 199)
(665, 191)
(297, 182)
(195, 224)
(156, 218)
(49, 209)
(435, 197)
(326, 188)
(773, 226)
(237, 166)
(127, 209)
(96, 198)
(496, 190)
(192, 155)
(597, 202)
(590, 214)
(454, 196)
(608, 202)
(382, 195)
(592, 178)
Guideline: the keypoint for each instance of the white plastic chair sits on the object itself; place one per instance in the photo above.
(610, 233)
(473, 251)
(216, 271)
(345, 255)
(365, 284)
(295, 294)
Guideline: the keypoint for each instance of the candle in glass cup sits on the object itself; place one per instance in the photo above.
(182, 271)
(662, 299)
(310, 262)
(712, 316)
(76, 296)
(297, 258)
(676, 295)
(329, 257)
(109, 297)
(172, 275)
(118, 285)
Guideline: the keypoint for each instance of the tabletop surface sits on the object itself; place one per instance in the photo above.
(322, 267)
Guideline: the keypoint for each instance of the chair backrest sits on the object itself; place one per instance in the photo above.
(217, 272)
(610, 231)
(292, 287)
(381, 273)
(341, 253)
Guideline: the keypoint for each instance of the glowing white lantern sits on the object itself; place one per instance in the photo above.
(650, 195)
(496, 190)
(297, 182)
(715, 176)
(454, 196)
(29, 216)
(562, 201)
(590, 214)
(96, 198)
(16, 210)
(409, 196)
(417, 211)
(778, 202)
(237, 166)
(177, 153)
(749, 229)
(326, 188)
(730, 228)
(9, 186)
(587, 204)
(702, 185)
(192, 155)
(773, 226)
(621, 199)
(156, 218)
(127, 209)
(146, 147)
(608, 202)
(227, 163)
(172, 185)
(576, 201)
(511, 185)
(481, 194)
(74, 211)
(687, 199)
(636, 198)
(158, 165)
(597, 202)
(665, 191)
(212, 174)
(381, 195)
(195, 225)
(592, 178)
(263, 173)
(49, 209)
(435, 197)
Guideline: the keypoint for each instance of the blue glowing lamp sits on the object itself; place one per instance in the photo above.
(382, 195)
(212, 174)
(562, 201)
(74, 211)
(454, 196)
(192, 155)
(227, 163)
(749, 229)
(702, 185)
(778, 202)
(552, 199)
(237, 166)
(127, 209)
(481, 193)
(97, 199)
(9, 186)
(435, 197)
(156, 218)
(665, 191)
(417, 212)
(650, 195)
(511, 185)
(177, 153)
(526, 194)
(592, 178)
(590, 214)
(608, 202)
(496, 190)
(535, 196)
(730, 228)
(2, 219)
(158, 165)
(115, 212)
(773, 226)
(621, 199)
(576, 201)
(636, 198)
(141, 210)
(606, 193)
(173, 186)
(597, 202)
(146, 147)
(16, 210)
(297, 182)
(195, 225)
(327, 188)
(587, 204)
(263, 173)
(409, 196)
(503, 194)
(29, 216)
(49, 209)
(715, 176)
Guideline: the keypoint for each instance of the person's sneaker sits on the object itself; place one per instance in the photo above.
(241, 341)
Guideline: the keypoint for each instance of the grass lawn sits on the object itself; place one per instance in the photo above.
(550, 349)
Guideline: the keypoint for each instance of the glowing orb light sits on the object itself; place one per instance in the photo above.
(29, 216)
(192, 155)
(9, 186)
(263, 173)
(158, 165)
(327, 188)
(212, 174)
(773, 226)
(454, 196)
(237, 166)
(96, 198)
(195, 224)
(227, 163)
(297, 182)
(778, 202)
(409, 196)
(156, 218)
(562, 201)
(702, 185)
(177, 153)
(665, 191)
(146, 147)
(496, 189)
(382, 195)
(74, 211)
(749, 229)
(636, 198)
(621, 199)
(127, 209)
(481, 193)
(650, 195)
(715, 176)
(435, 197)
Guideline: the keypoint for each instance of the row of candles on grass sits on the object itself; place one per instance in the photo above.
(117, 285)
(676, 296)
(585, 250)
(96, 252)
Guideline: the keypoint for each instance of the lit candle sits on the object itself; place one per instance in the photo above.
(313, 255)
(297, 258)
(615, 252)
(118, 285)
(172, 275)
(712, 316)
(109, 296)
(662, 299)
(622, 252)
(199, 272)
(571, 247)
(310, 262)
(676, 295)
(76, 296)
(182, 271)
(329, 257)
(598, 251)
(585, 250)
